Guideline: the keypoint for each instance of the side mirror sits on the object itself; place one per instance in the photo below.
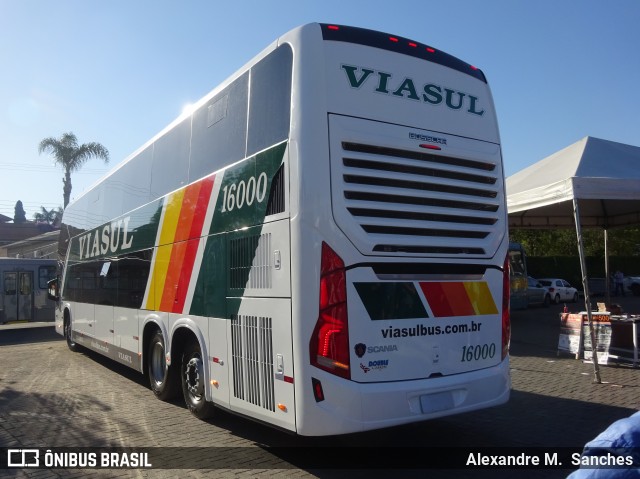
(52, 289)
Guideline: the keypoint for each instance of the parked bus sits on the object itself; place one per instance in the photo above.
(23, 296)
(519, 278)
(320, 245)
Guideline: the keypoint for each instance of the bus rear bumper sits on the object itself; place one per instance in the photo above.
(356, 407)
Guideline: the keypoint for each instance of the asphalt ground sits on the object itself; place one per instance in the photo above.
(51, 397)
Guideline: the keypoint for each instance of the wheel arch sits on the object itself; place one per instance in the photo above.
(185, 331)
(151, 324)
(67, 317)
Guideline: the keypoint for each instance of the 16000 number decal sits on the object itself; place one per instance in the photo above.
(478, 352)
(237, 195)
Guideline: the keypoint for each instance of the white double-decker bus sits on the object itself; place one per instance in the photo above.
(320, 244)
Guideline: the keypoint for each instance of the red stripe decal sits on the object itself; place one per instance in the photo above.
(189, 258)
(185, 248)
(201, 206)
(173, 277)
(182, 289)
(448, 299)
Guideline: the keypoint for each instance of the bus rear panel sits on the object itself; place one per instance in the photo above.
(403, 209)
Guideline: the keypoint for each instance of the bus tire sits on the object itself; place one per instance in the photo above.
(71, 344)
(163, 378)
(193, 382)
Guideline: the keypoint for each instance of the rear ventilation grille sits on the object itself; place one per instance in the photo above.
(250, 262)
(393, 200)
(416, 155)
(252, 353)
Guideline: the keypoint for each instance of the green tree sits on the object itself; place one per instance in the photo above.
(563, 242)
(71, 156)
(19, 215)
(51, 217)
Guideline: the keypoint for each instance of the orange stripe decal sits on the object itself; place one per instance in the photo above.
(173, 276)
(187, 211)
(458, 298)
(186, 222)
(191, 250)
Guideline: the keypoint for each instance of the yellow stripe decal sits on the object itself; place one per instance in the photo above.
(480, 297)
(163, 254)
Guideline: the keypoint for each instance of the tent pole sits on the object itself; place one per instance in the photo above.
(585, 285)
(607, 283)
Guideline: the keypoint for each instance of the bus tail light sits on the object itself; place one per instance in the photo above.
(506, 319)
(329, 345)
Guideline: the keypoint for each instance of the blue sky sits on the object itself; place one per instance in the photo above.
(118, 71)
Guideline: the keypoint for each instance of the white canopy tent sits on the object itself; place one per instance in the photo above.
(603, 175)
(591, 183)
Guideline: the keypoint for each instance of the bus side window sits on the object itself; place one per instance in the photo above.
(45, 274)
(10, 283)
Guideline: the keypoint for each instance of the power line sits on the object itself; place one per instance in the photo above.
(50, 168)
(4, 204)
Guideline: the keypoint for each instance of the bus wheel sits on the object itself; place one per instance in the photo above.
(71, 344)
(193, 382)
(163, 378)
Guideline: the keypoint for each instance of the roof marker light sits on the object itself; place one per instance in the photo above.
(414, 45)
(430, 50)
(333, 27)
(473, 68)
(393, 39)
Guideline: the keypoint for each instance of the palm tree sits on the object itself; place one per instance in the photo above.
(67, 153)
(50, 217)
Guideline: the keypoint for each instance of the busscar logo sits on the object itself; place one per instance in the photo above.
(427, 138)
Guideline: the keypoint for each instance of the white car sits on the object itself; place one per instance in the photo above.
(537, 293)
(560, 290)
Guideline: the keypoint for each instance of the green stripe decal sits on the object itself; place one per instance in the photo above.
(393, 300)
(240, 211)
(244, 193)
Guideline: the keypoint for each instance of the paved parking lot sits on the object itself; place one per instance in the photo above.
(51, 397)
